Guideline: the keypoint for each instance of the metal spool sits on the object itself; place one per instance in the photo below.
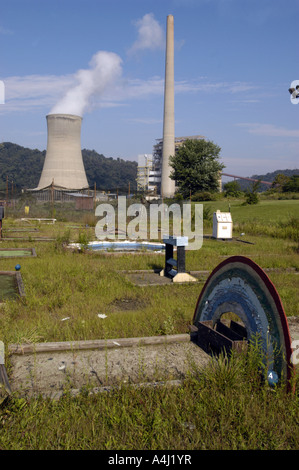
(240, 286)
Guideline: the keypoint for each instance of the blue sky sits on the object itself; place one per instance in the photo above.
(234, 63)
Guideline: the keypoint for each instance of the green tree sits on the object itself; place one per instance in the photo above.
(292, 185)
(279, 182)
(232, 189)
(252, 196)
(196, 167)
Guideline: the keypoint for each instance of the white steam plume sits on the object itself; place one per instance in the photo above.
(105, 68)
(150, 34)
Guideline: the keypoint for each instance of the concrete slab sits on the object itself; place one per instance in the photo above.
(50, 369)
(46, 372)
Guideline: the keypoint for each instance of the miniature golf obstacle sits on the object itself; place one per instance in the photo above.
(222, 225)
(11, 285)
(175, 269)
(36, 219)
(22, 229)
(240, 286)
(17, 252)
(4, 382)
(51, 369)
(122, 246)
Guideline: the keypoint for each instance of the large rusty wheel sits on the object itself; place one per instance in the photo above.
(240, 286)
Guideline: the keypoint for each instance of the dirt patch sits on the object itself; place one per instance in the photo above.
(147, 279)
(126, 304)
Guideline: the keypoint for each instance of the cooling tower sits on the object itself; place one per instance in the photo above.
(167, 184)
(63, 163)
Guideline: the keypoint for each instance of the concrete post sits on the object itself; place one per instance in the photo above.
(167, 184)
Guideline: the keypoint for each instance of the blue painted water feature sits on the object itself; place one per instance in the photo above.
(125, 245)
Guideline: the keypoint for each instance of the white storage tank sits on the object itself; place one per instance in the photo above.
(222, 225)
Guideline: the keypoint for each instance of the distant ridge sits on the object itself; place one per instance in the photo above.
(267, 177)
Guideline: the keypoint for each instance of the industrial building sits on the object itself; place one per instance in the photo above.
(150, 170)
(144, 170)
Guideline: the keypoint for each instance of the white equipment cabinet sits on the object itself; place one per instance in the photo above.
(222, 225)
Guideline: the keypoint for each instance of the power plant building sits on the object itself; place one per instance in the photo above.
(63, 165)
(156, 169)
(144, 172)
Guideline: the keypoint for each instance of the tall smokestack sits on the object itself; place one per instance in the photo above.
(63, 163)
(167, 184)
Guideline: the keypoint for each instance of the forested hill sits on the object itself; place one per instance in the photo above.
(267, 177)
(23, 166)
(109, 173)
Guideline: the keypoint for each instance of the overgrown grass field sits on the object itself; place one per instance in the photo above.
(225, 407)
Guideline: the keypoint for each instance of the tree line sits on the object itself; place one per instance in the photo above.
(196, 168)
(21, 168)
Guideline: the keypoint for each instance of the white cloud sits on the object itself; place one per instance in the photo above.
(269, 130)
(150, 34)
(212, 87)
(240, 87)
(34, 92)
(44, 91)
(47, 91)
